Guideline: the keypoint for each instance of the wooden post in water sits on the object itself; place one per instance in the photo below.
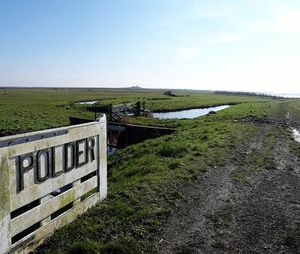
(144, 107)
(138, 108)
(110, 111)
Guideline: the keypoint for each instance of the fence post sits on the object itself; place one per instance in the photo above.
(110, 111)
(144, 107)
(138, 108)
(5, 240)
(102, 173)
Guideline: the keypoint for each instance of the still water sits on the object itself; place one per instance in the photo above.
(190, 113)
(296, 135)
(87, 102)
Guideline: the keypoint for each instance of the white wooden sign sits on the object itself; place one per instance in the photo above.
(47, 178)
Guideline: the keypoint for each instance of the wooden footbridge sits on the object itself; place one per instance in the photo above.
(116, 113)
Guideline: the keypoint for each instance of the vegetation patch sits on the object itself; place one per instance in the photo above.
(239, 175)
(145, 180)
(174, 150)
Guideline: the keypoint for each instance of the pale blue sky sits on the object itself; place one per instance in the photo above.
(248, 45)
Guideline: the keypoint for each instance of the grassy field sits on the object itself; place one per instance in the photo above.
(145, 179)
(24, 110)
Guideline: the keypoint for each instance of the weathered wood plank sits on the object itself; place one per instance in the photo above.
(45, 231)
(42, 211)
(35, 191)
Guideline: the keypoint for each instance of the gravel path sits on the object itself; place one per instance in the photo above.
(259, 214)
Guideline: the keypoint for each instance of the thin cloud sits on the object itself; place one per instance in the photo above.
(225, 38)
(181, 53)
(186, 54)
(284, 20)
(216, 11)
(201, 10)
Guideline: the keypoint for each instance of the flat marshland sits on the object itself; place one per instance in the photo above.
(222, 183)
(35, 109)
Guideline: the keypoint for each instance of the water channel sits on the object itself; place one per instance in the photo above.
(87, 102)
(296, 135)
(189, 113)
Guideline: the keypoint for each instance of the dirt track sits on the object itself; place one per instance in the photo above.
(258, 213)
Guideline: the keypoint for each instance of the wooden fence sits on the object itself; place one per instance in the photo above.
(47, 179)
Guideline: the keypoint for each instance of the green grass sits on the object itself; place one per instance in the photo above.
(36, 109)
(144, 179)
(124, 245)
(239, 175)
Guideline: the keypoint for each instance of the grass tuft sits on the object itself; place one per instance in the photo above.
(172, 150)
